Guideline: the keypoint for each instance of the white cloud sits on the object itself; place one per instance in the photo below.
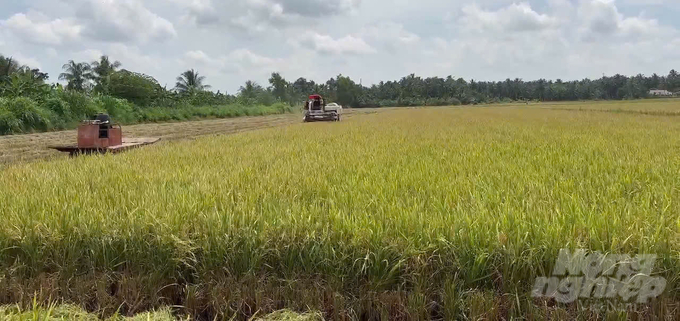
(131, 57)
(601, 21)
(391, 34)
(514, 18)
(325, 44)
(237, 61)
(87, 55)
(259, 16)
(37, 28)
(124, 20)
(236, 40)
(28, 61)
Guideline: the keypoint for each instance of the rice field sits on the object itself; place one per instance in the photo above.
(659, 107)
(413, 214)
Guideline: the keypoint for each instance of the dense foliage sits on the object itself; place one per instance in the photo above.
(28, 103)
(133, 97)
(435, 91)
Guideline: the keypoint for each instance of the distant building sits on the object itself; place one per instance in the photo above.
(659, 92)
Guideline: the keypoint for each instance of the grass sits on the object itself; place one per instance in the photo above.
(410, 214)
(75, 313)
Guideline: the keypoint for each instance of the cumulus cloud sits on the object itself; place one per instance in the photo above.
(131, 56)
(599, 17)
(312, 8)
(237, 61)
(37, 28)
(202, 10)
(600, 20)
(390, 34)
(261, 15)
(244, 64)
(325, 44)
(565, 39)
(236, 40)
(514, 18)
(123, 20)
(28, 61)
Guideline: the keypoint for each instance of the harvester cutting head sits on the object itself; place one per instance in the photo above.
(101, 135)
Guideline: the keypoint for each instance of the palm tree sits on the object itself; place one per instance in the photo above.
(76, 74)
(190, 81)
(250, 90)
(101, 70)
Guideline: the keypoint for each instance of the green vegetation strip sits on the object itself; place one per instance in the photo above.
(414, 212)
(65, 109)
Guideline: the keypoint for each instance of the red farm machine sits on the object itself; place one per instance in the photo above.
(317, 110)
(100, 136)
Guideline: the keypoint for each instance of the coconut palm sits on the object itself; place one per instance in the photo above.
(76, 74)
(190, 81)
(250, 90)
(101, 70)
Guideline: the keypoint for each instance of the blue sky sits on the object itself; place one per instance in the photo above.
(237, 40)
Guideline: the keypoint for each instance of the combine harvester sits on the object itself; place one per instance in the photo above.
(317, 110)
(100, 136)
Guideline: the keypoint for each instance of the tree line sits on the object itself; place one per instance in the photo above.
(104, 86)
(29, 103)
(416, 91)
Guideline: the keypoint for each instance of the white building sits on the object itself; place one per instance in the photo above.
(658, 92)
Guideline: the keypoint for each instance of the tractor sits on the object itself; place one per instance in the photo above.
(317, 110)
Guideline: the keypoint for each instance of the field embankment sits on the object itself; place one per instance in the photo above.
(411, 214)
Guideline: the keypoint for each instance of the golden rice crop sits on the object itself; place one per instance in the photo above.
(410, 209)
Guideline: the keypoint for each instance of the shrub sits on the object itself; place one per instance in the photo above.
(282, 107)
(59, 107)
(119, 109)
(9, 124)
(81, 106)
(29, 114)
(454, 102)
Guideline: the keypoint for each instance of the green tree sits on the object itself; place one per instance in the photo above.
(26, 83)
(279, 87)
(348, 91)
(101, 71)
(190, 82)
(673, 80)
(138, 88)
(250, 91)
(77, 75)
(22, 81)
(8, 66)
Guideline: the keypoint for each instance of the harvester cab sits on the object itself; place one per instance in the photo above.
(315, 110)
(99, 133)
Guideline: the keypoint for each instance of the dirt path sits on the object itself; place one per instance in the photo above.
(17, 148)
